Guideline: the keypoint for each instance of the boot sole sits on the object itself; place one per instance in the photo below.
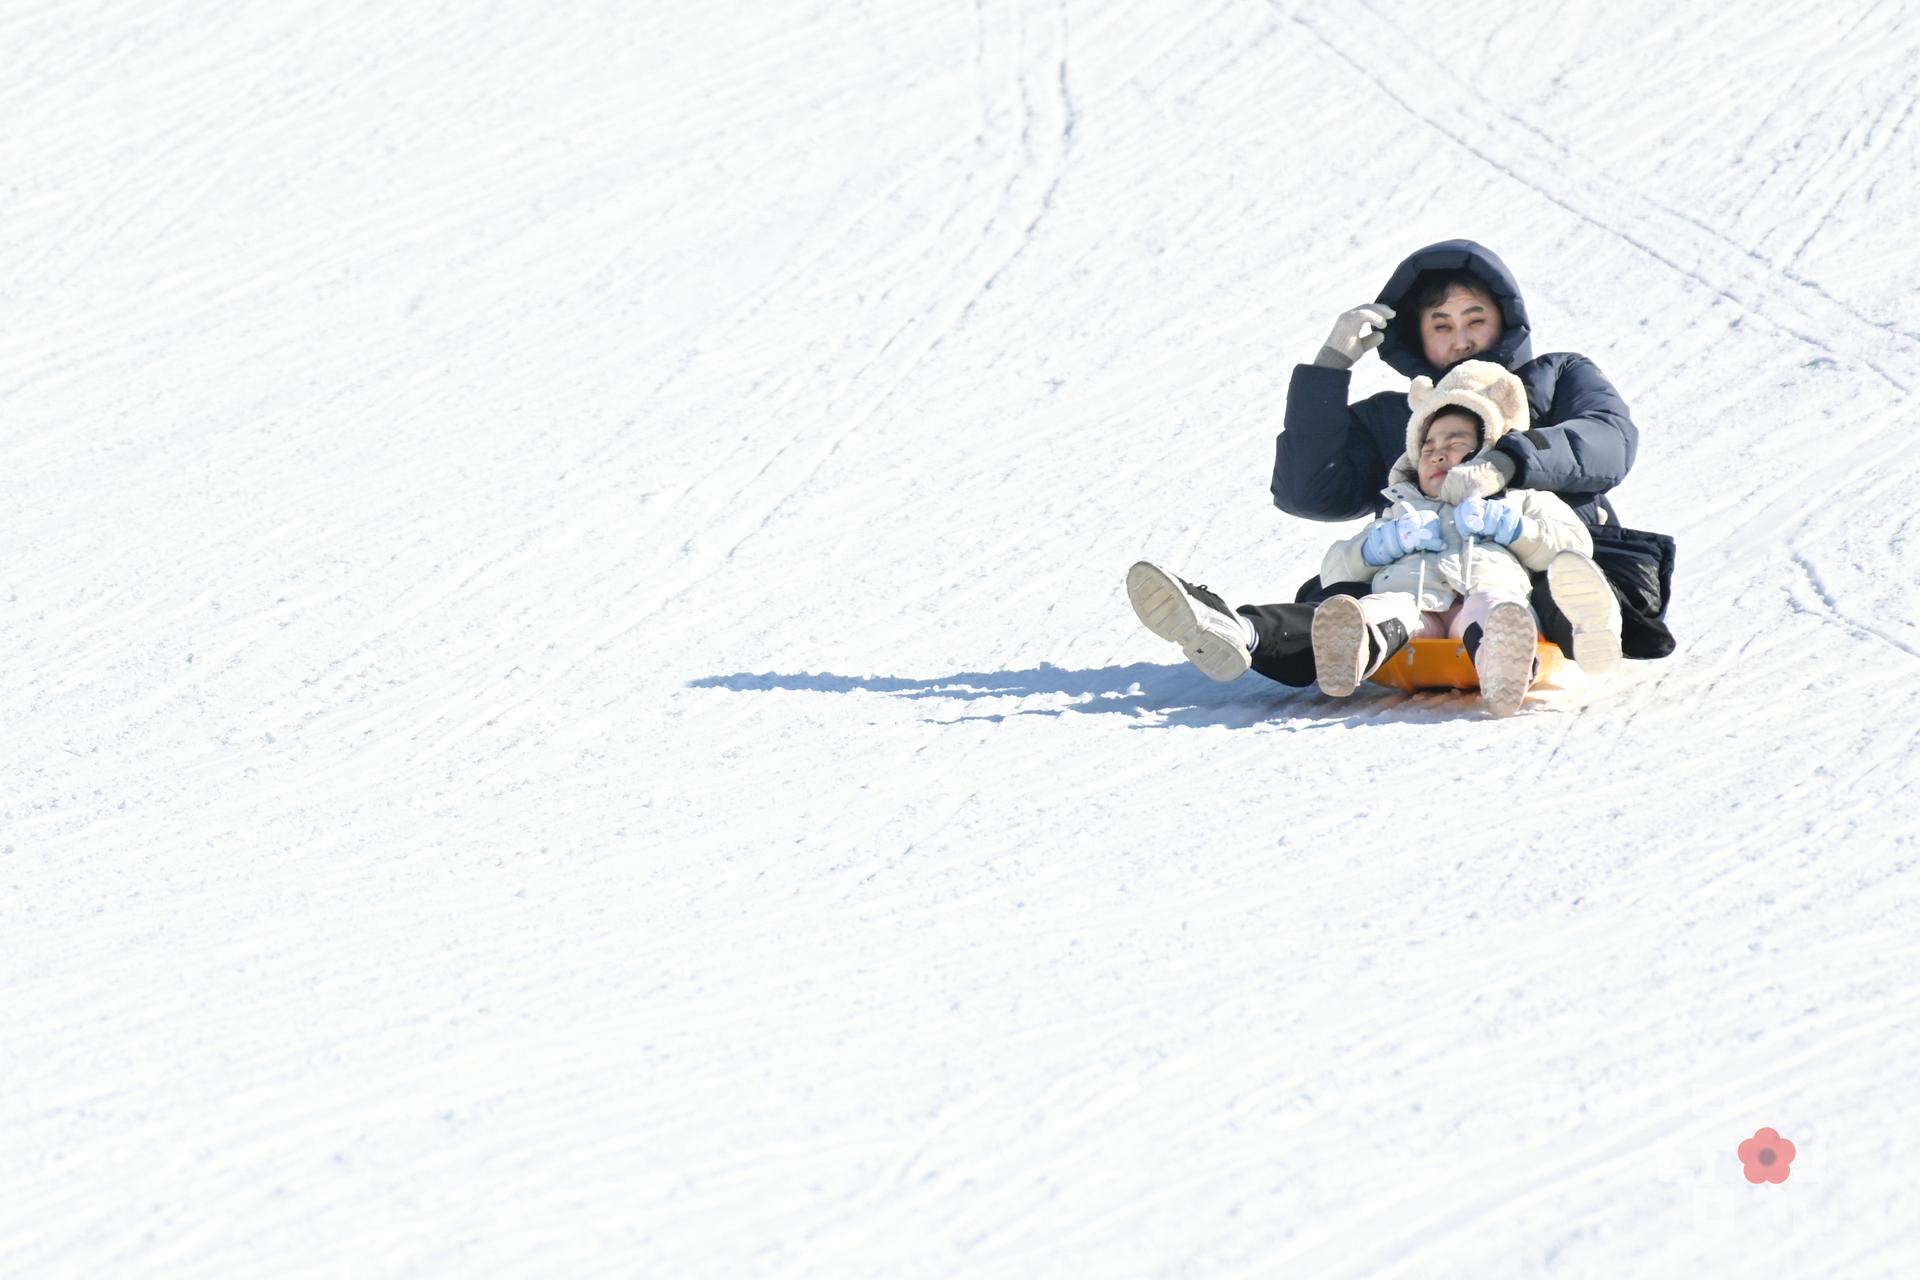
(1585, 597)
(1166, 610)
(1505, 659)
(1339, 646)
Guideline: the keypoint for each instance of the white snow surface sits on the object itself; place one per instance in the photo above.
(570, 709)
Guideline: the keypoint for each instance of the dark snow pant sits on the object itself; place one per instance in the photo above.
(1285, 650)
(1639, 566)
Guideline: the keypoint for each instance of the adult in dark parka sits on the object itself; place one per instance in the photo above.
(1332, 458)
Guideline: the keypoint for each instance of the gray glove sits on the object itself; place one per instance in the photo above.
(1355, 333)
(1481, 478)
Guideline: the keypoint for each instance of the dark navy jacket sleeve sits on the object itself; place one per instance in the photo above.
(1326, 462)
(1583, 440)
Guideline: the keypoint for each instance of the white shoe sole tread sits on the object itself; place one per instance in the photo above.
(1166, 610)
(1505, 658)
(1584, 596)
(1339, 646)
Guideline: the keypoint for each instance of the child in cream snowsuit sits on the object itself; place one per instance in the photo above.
(1448, 570)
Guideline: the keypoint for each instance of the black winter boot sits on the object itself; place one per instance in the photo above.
(1196, 619)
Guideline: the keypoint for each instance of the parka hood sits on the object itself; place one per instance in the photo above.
(1401, 346)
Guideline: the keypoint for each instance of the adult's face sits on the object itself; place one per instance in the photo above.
(1463, 324)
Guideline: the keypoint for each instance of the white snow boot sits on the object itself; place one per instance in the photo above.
(1348, 647)
(1505, 657)
(1207, 631)
(1585, 596)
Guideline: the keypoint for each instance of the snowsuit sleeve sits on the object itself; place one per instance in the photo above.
(1583, 440)
(1327, 463)
(1343, 561)
(1548, 526)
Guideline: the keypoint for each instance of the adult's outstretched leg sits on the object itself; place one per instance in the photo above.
(1193, 617)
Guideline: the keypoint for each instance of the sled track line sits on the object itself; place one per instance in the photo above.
(927, 344)
(1833, 610)
(755, 514)
(1601, 203)
(1864, 165)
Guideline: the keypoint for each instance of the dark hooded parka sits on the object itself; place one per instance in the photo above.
(1332, 458)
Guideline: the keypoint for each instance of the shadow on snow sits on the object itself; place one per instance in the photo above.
(1157, 695)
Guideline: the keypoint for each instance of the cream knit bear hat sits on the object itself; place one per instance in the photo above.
(1478, 386)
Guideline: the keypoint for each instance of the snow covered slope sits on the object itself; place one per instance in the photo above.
(569, 707)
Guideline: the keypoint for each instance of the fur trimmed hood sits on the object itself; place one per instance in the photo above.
(1483, 389)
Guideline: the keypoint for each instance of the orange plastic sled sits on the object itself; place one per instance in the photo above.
(1443, 664)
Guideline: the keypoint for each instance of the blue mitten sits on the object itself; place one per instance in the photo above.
(1405, 534)
(1495, 518)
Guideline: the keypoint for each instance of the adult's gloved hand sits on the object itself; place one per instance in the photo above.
(1403, 535)
(1354, 334)
(1481, 478)
(1495, 518)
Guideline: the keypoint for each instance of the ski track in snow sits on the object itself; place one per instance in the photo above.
(571, 708)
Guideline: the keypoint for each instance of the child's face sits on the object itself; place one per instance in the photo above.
(1464, 323)
(1451, 439)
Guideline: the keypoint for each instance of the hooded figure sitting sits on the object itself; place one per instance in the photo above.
(1448, 569)
(1446, 303)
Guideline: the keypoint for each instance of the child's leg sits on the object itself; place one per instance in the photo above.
(1400, 606)
(1500, 633)
(1473, 609)
(1436, 624)
(1352, 637)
